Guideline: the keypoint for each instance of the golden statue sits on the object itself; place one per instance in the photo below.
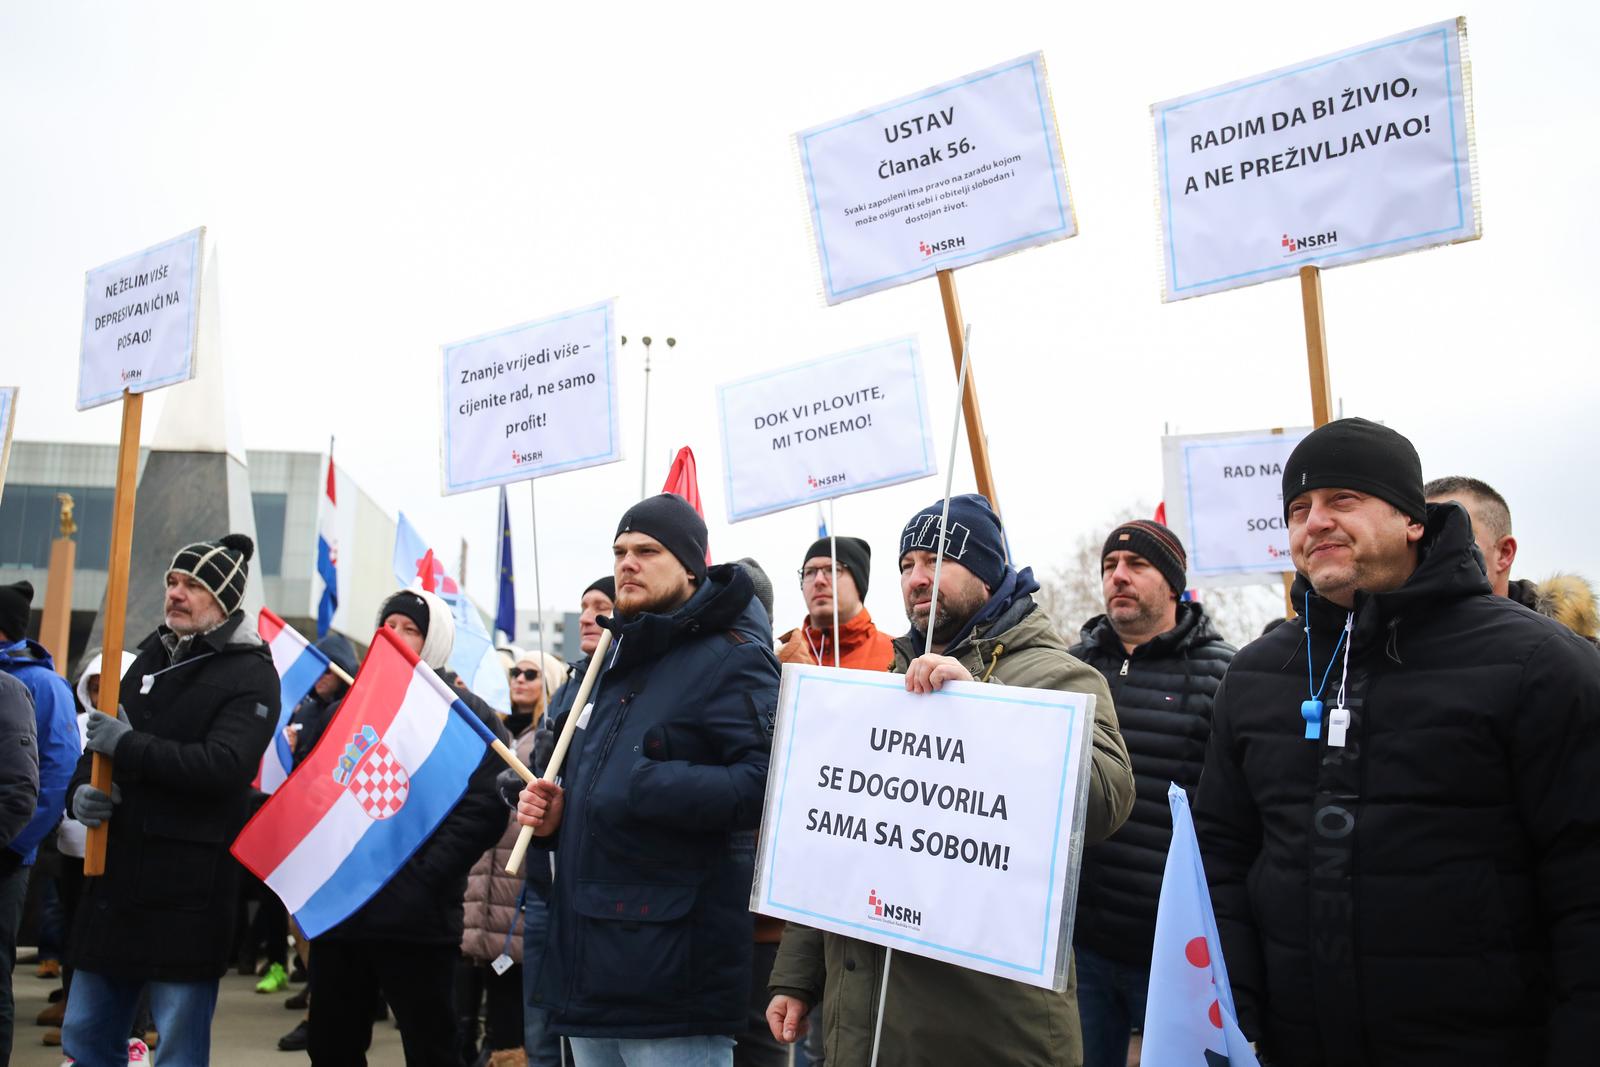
(68, 527)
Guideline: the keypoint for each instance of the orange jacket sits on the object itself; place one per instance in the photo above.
(861, 645)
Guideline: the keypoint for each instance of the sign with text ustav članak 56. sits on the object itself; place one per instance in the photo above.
(1336, 160)
(955, 174)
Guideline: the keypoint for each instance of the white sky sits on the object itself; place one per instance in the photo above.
(383, 178)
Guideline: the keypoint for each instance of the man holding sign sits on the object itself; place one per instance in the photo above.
(987, 628)
(648, 960)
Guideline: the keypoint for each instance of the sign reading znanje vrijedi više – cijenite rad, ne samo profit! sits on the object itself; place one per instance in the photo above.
(1361, 154)
(952, 175)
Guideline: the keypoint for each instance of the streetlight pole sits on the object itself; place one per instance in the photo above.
(644, 447)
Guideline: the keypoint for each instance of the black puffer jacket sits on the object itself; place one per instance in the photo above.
(1426, 895)
(1163, 692)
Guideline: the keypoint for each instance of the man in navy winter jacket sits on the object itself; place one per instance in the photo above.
(650, 942)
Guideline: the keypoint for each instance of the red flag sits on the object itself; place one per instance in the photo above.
(683, 479)
(1161, 513)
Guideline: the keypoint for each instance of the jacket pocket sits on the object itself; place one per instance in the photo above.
(638, 942)
(177, 864)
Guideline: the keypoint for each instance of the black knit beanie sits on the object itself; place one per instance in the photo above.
(15, 601)
(668, 518)
(221, 566)
(854, 554)
(763, 584)
(972, 536)
(1155, 543)
(409, 604)
(1361, 455)
(606, 586)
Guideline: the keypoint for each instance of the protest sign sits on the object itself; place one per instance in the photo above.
(1224, 497)
(839, 425)
(8, 418)
(955, 174)
(1352, 156)
(531, 400)
(947, 824)
(141, 322)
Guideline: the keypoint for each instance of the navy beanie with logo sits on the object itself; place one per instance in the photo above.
(972, 536)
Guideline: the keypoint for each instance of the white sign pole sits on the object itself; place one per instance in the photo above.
(833, 561)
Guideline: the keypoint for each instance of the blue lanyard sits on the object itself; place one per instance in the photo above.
(522, 898)
(1311, 710)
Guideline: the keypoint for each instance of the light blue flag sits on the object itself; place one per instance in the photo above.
(1189, 1016)
(473, 656)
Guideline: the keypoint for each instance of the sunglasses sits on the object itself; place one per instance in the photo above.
(531, 674)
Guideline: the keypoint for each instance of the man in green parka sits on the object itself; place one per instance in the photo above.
(988, 629)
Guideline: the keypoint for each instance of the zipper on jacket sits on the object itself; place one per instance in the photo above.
(994, 661)
(1124, 671)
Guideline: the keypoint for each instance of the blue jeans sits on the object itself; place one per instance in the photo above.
(100, 1017)
(704, 1050)
(1111, 998)
(543, 1046)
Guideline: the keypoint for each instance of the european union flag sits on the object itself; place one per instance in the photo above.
(505, 611)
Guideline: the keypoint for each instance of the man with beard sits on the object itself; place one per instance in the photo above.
(1163, 661)
(648, 958)
(1398, 813)
(987, 628)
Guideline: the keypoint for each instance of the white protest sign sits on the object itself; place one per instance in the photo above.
(8, 419)
(531, 400)
(948, 825)
(956, 174)
(1353, 156)
(840, 425)
(141, 321)
(1224, 496)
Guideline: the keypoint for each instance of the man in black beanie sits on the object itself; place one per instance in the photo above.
(1397, 810)
(649, 949)
(199, 706)
(862, 645)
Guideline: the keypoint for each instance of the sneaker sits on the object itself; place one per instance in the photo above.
(48, 969)
(297, 1039)
(299, 1001)
(138, 1053)
(274, 981)
(53, 1015)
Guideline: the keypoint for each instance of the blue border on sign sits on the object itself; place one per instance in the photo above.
(928, 463)
(1455, 158)
(523, 474)
(1188, 497)
(937, 263)
(896, 682)
(147, 385)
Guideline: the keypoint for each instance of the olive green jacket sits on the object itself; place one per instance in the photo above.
(937, 1013)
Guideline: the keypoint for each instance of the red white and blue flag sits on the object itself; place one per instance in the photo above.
(1189, 1017)
(391, 765)
(327, 552)
(299, 665)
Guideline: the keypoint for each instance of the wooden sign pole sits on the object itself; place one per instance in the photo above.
(976, 440)
(1321, 387)
(94, 857)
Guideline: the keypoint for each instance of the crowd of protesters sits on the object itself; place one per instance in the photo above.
(1412, 882)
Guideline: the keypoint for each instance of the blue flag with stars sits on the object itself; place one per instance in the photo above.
(505, 612)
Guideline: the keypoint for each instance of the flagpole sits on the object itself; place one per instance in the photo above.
(833, 558)
(538, 595)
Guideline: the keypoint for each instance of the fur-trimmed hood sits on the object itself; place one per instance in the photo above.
(1569, 600)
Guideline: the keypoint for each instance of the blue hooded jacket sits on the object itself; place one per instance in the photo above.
(55, 713)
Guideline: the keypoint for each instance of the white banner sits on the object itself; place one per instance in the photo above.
(8, 420)
(948, 824)
(840, 425)
(956, 174)
(141, 321)
(1224, 496)
(1353, 156)
(531, 400)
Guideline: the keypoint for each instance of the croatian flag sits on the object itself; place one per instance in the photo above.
(391, 765)
(327, 552)
(472, 656)
(1189, 1016)
(299, 664)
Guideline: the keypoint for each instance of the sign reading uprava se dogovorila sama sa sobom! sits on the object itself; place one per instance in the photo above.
(1353, 156)
(835, 426)
(959, 173)
(141, 321)
(946, 824)
(531, 400)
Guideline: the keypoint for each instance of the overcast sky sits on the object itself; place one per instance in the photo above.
(379, 179)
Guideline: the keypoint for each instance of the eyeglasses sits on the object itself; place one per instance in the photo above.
(531, 674)
(808, 573)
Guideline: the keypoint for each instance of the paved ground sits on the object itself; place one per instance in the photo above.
(245, 1033)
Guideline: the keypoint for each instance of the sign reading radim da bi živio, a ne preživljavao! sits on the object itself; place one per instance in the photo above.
(835, 426)
(945, 824)
(955, 174)
(141, 321)
(531, 400)
(1224, 494)
(1353, 156)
